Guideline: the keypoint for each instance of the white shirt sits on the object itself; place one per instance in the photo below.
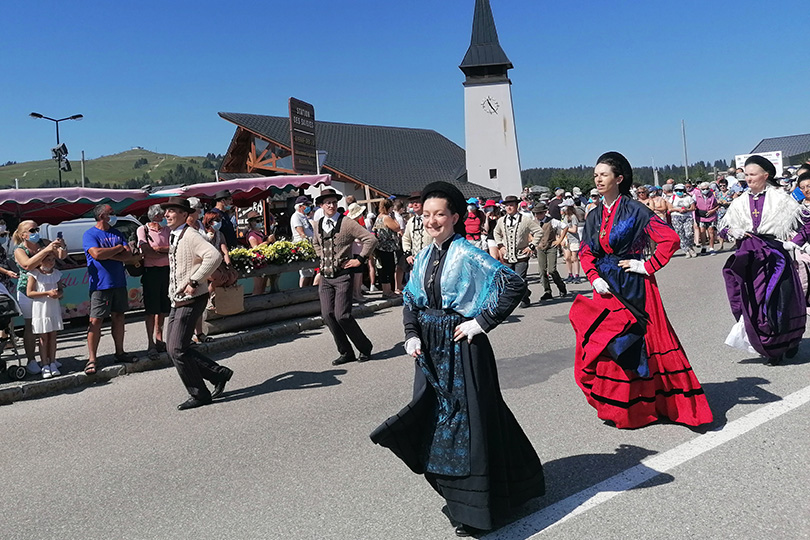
(300, 220)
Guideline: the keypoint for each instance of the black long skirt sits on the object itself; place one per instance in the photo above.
(504, 468)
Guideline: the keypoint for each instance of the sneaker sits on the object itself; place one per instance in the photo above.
(373, 289)
(712, 251)
(46, 372)
(57, 363)
(33, 367)
(692, 252)
(54, 369)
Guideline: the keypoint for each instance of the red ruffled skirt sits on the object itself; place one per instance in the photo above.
(670, 391)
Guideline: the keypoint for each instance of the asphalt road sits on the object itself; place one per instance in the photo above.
(286, 454)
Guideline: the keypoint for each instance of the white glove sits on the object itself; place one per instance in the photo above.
(789, 246)
(601, 286)
(468, 329)
(413, 345)
(735, 234)
(637, 267)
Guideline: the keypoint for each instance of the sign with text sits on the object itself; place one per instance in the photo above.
(302, 137)
(773, 157)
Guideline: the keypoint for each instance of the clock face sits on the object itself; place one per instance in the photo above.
(490, 105)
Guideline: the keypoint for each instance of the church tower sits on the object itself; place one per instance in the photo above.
(489, 121)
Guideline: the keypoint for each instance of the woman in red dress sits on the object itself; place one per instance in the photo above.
(629, 362)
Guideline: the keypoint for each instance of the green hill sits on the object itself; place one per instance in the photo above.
(130, 169)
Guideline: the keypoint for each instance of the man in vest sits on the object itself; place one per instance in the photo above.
(333, 239)
(415, 238)
(547, 251)
(512, 236)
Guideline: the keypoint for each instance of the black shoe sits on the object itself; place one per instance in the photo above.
(546, 296)
(365, 356)
(220, 386)
(525, 303)
(563, 293)
(792, 352)
(776, 361)
(466, 530)
(343, 359)
(192, 403)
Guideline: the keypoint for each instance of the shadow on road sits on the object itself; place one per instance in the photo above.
(724, 396)
(522, 371)
(292, 380)
(570, 475)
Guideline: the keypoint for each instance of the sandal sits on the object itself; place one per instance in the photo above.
(90, 368)
(202, 338)
(125, 358)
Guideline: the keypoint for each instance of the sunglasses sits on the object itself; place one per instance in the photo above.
(34, 230)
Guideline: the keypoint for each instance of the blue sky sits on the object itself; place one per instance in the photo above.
(589, 76)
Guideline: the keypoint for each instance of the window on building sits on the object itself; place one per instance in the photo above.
(493, 173)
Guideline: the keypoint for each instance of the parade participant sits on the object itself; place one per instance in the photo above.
(223, 204)
(153, 241)
(492, 213)
(45, 291)
(629, 362)
(333, 241)
(301, 228)
(706, 207)
(682, 213)
(457, 430)
(415, 238)
(192, 260)
(29, 253)
(512, 236)
(107, 251)
(763, 287)
(547, 252)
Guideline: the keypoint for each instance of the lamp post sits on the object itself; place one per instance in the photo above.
(59, 160)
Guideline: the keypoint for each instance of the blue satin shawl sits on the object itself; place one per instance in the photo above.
(471, 280)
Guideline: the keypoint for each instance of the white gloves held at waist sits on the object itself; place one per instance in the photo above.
(634, 265)
(467, 329)
(601, 286)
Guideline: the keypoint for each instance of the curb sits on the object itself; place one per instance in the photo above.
(46, 387)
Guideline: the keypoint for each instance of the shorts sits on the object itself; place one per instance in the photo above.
(573, 246)
(707, 224)
(307, 272)
(491, 243)
(26, 305)
(402, 263)
(102, 303)
(155, 281)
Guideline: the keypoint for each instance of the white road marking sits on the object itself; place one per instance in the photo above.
(532, 526)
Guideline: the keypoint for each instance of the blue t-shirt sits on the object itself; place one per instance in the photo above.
(106, 274)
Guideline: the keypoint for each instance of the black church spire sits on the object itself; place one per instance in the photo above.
(485, 57)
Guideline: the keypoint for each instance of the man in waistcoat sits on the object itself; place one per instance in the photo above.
(415, 238)
(547, 251)
(334, 235)
(512, 236)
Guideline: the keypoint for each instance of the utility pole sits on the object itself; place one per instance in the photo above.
(82, 168)
(685, 157)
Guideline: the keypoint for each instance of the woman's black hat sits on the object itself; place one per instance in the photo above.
(766, 165)
(454, 195)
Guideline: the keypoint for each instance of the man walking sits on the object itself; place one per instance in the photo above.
(547, 252)
(191, 261)
(106, 251)
(334, 236)
(512, 236)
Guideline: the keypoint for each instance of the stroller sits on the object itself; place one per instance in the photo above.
(8, 310)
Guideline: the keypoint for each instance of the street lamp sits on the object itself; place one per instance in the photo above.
(60, 151)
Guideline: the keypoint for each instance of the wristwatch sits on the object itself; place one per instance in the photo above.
(194, 283)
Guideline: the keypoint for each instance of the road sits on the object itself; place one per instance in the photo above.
(286, 454)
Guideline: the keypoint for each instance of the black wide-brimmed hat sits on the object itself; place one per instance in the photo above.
(177, 202)
(539, 207)
(615, 159)
(511, 199)
(766, 165)
(223, 194)
(415, 196)
(454, 195)
(325, 194)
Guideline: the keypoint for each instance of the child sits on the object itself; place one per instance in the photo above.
(45, 290)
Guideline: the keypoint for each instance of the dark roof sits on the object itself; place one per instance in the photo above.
(792, 145)
(393, 160)
(485, 50)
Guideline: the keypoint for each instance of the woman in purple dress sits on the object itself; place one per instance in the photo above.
(761, 280)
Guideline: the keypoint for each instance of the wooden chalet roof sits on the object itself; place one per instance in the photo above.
(393, 160)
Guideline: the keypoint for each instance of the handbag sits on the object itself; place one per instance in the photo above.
(229, 300)
(137, 269)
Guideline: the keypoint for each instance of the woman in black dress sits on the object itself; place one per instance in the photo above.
(457, 430)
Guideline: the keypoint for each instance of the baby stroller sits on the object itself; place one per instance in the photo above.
(8, 310)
